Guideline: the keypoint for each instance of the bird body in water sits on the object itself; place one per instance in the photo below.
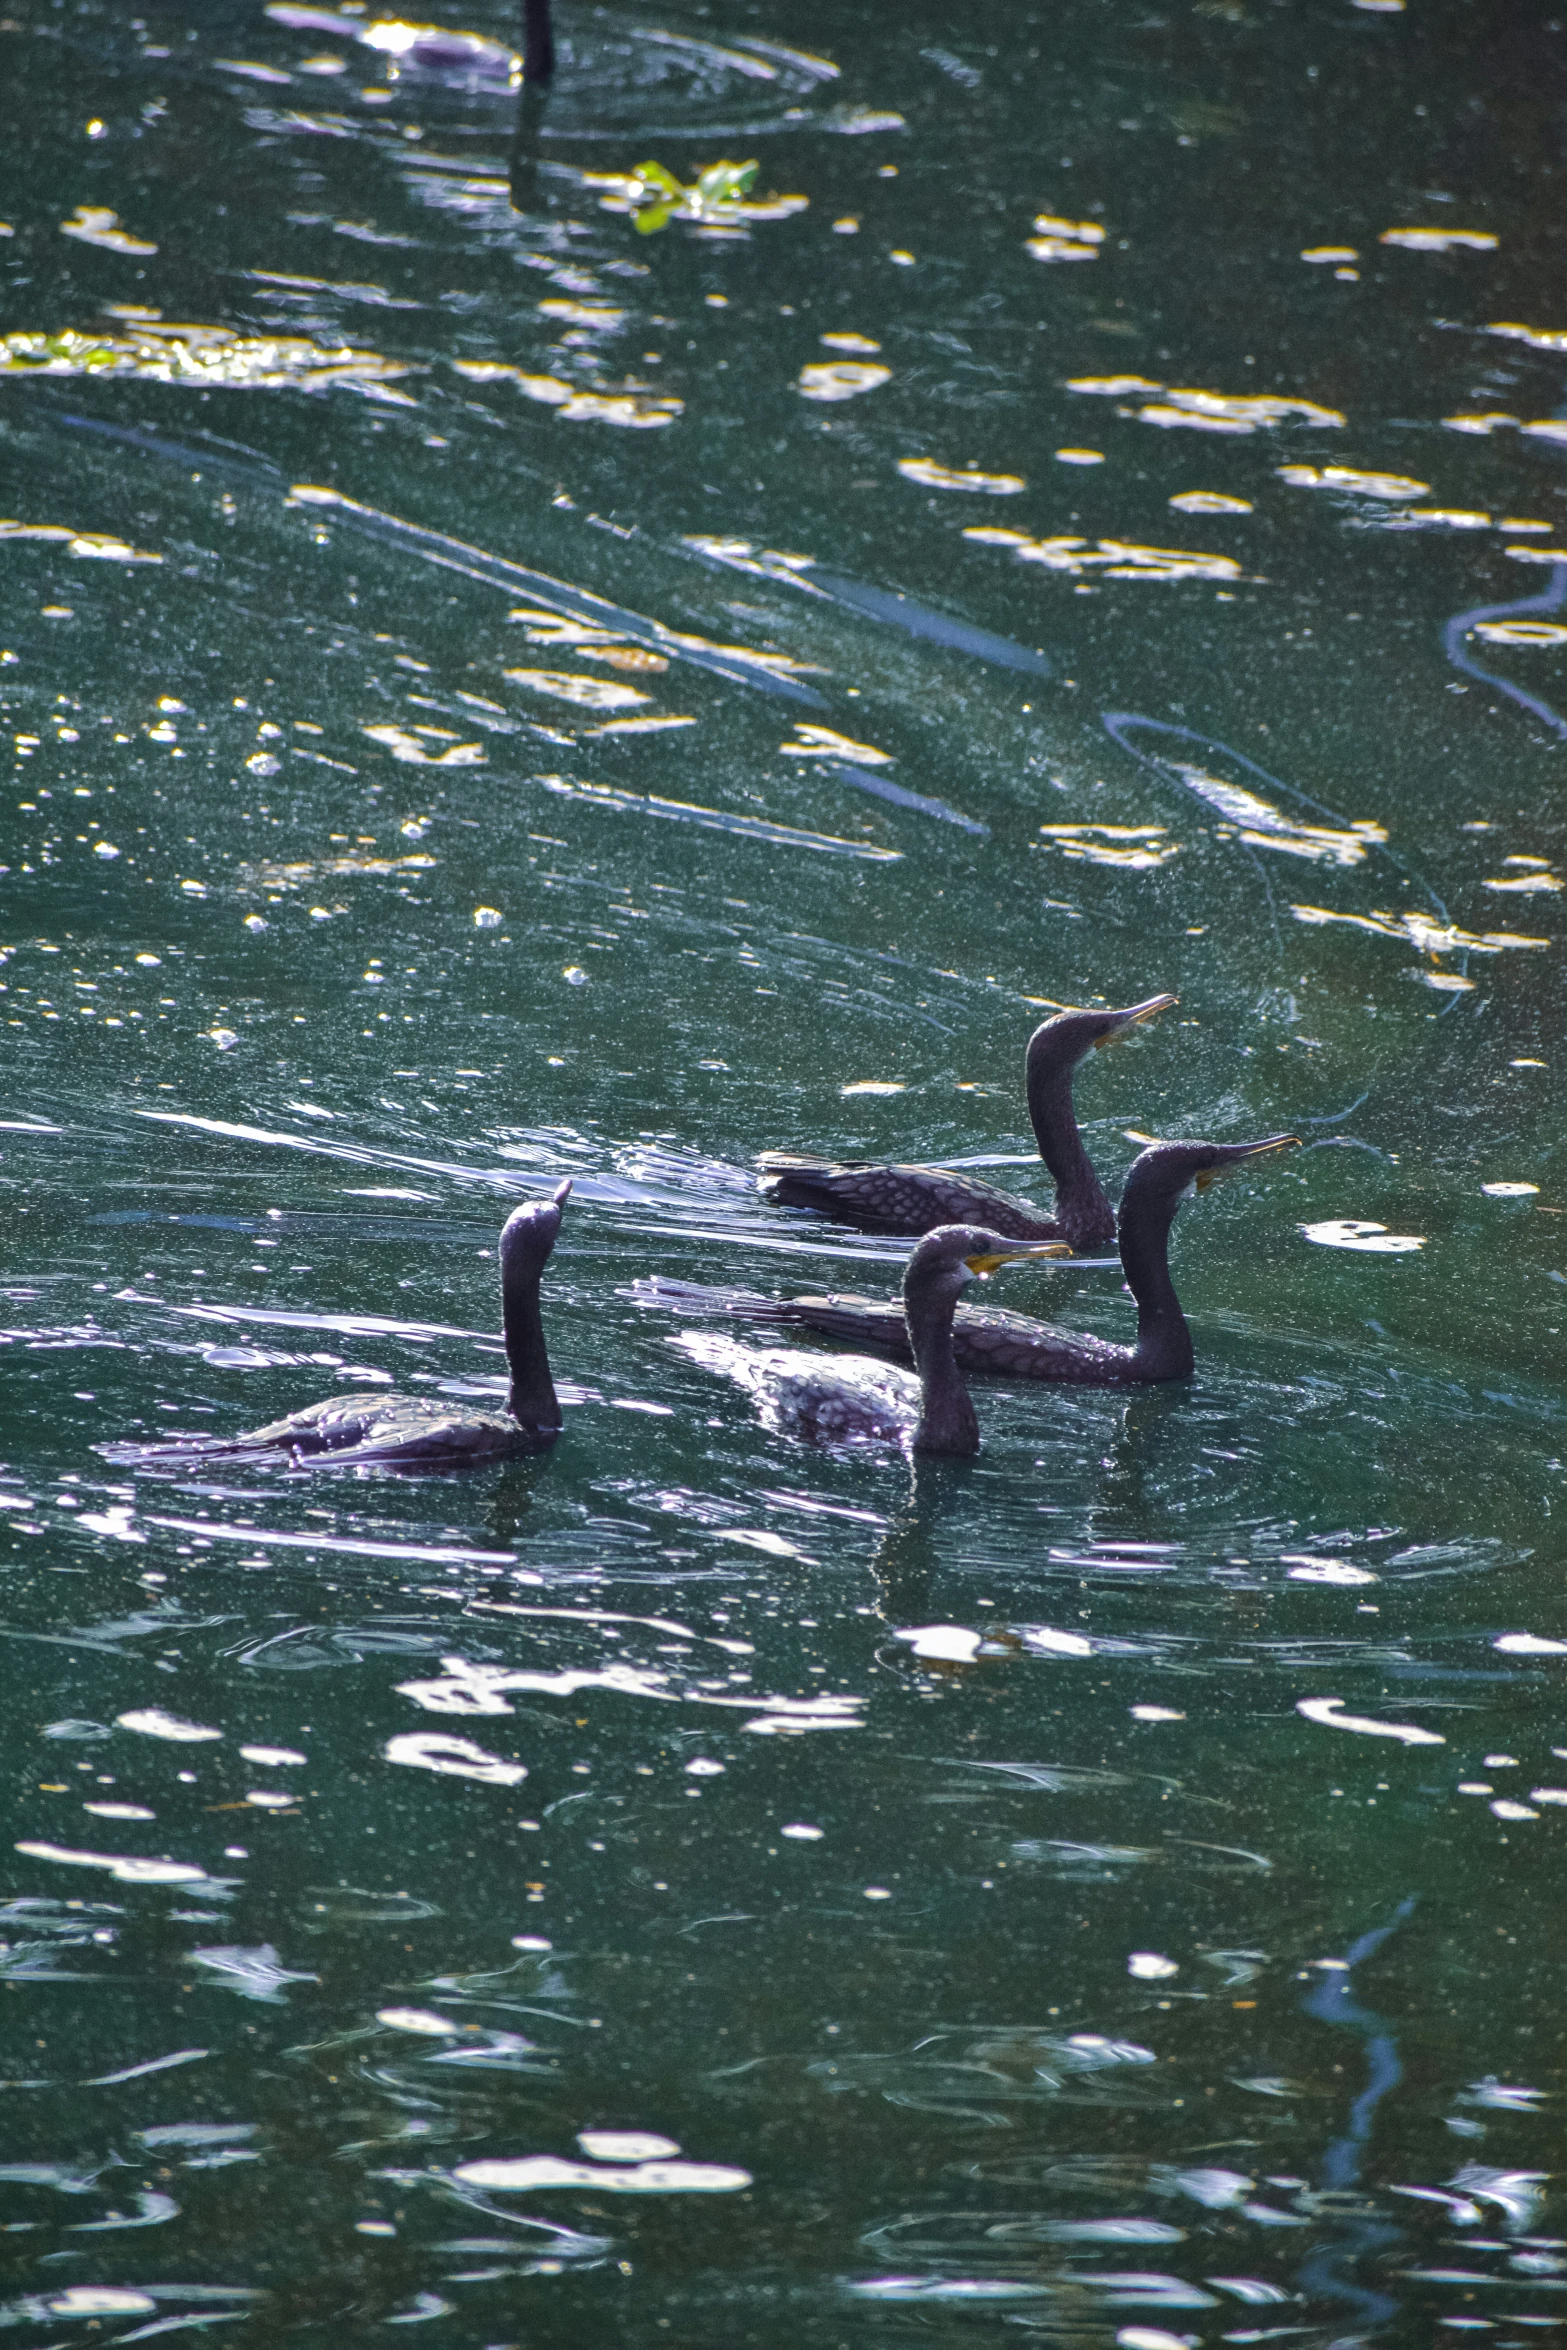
(1011, 1345)
(917, 1199)
(850, 1399)
(417, 1432)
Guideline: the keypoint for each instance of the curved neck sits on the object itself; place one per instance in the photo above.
(1164, 1344)
(532, 1401)
(1048, 1084)
(946, 1422)
(538, 42)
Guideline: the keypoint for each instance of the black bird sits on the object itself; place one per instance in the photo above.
(986, 1338)
(916, 1199)
(849, 1399)
(415, 1431)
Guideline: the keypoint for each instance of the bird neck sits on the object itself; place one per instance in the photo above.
(1164, 1343)
(532, 1401)
(947, 1422)
(1048, 1081)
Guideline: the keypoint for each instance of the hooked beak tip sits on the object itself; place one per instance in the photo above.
(1132, 1018)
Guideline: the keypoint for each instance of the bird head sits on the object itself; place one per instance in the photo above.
(953, 1254)
(1174, 1170)
(1071, 1035)
(530, 1232)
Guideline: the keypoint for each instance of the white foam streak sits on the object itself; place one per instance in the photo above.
(1328, 1711)
(264, 1537)
(468, 1688)
(642, 2178)
(317, 1146)
(125, 1869)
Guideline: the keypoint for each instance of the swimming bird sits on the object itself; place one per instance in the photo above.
(416, 1431)
(986, 1338)
(916, 1199)
(849, 1399)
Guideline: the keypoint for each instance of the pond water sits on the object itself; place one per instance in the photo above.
(500, 689)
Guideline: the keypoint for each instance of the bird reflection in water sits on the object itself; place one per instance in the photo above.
(1127, 1510)
(904, 1564)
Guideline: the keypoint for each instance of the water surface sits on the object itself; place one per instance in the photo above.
(497, 696)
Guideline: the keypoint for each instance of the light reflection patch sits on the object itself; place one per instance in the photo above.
(534, 2171)
(96, 546)
(1440, 240)
(1419, 930)
(456, 1758)
(124, 1869)
(94, 224)
(1210, 502)
(1305, 1567)
(933, 475)
(840, 379)
(570, 685)
(153, 1722)
(1328, 1711)
(823, 742)
(1136, 848)
(1521, 632)
(1373, 1239)
(1112, 558)
(1205, 411)
(1351, 483)
(574, 404)
(205, 355)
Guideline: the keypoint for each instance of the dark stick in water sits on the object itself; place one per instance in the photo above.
(538, 41)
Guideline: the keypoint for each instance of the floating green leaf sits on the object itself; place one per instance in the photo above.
(716, 198)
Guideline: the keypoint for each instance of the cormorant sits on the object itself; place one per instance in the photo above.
(986, 1338)
(417, 1432)
(849, 1399)
(916, 1199)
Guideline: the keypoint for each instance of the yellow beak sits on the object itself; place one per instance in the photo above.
(1137, 1013)
(1043, 1248)
(1257, 1150)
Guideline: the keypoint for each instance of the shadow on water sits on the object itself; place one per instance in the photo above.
(1362, 2232)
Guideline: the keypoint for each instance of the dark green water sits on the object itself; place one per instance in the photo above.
(1089, 1987)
